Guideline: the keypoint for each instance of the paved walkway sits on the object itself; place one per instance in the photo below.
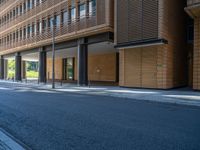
(176, 96)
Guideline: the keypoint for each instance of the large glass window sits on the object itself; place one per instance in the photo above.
(82, 10)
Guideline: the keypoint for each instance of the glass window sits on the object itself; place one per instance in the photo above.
(28, 30)
(73, 14)
(28, 4)
(33, 28)
(24, 6)
(21, 9)
(51, 23)
(21, 33)
(82, 10)
(65, 17)
(24, 30)
(44, 24)
(14, 12)
(17, 10)
(14, 36)
(40, 27)
(92, 7)
(58, 20)
(17, 35)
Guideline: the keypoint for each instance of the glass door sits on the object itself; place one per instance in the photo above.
(68, 68)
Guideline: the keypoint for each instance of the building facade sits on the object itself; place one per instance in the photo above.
(81, 28)
(193, 10)
(151, 36)
(138, 43)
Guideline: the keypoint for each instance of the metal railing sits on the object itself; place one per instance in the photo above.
(64, 29)
(43, 8)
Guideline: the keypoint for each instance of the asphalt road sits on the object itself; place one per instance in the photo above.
(46, 120)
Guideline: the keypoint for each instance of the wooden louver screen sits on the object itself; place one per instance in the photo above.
(137, 20)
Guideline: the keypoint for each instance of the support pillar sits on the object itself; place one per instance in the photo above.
(5, 69)
(2, 68)
(82, 62)
(23, 69)
(42, 66)
(18, 67)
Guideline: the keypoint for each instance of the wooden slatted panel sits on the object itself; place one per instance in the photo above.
(149, 67)
(150, 19)
(132, 67)
(134, 20)
(138, 67)
(100, 11)
(122, 21)
(138, 19)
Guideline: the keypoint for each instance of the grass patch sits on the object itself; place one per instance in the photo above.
(32, 74)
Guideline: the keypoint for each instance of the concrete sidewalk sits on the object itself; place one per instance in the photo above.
(176, 96)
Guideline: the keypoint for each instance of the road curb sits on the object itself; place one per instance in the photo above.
(12, 142)
(176, 101)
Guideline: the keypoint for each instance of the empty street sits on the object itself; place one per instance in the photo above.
(50, 120)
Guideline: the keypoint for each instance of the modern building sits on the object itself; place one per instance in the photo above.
(83, 31)
(151, 36)
(130, 43)
(193, 10)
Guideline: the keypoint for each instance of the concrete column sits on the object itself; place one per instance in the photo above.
(42, 65)
(5, 69)
(1, 67)
(18, 67)
(82, 62)
(23, 69)
(117, 67)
